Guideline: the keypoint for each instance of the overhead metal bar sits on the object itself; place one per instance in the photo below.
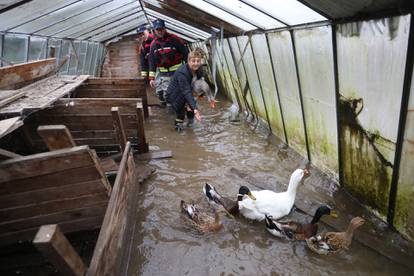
(44, 14)
(178, 23)
(104, 13)
(15, 5)
(145, 12)
(104, 25)
(73, 15)
(111, 24)
(119, 29)
(264, 12)
(170, 26)
(234, 14)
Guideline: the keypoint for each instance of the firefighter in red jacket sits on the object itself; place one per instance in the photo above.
(145, 37)
(167, 53)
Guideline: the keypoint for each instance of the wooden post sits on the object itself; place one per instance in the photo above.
(56, 248)
(119, 127)
(142, 143)
(56, 137)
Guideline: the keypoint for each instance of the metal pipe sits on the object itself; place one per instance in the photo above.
(401, 125)
(337, 97)
(300, 95)
(277, 90)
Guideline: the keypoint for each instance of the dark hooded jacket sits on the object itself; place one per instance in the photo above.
(179, 91)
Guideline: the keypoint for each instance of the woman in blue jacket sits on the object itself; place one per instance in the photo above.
(180, 91)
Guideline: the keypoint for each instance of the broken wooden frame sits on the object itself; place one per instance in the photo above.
(113, 243)
(65, 186)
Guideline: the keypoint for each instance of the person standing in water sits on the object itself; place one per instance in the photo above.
(167, 53)
(145, 38)
(180, 90)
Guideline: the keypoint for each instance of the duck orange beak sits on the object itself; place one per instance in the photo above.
(306, 172)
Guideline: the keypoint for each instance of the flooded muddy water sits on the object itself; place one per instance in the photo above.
(213, 151)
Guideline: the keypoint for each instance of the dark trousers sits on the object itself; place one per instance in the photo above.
(181, 113)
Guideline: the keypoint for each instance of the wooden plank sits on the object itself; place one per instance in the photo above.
(106, 93)
(42, 94)
(9, 125)
(119, 127)
(55, 179)
(98, 102)
(115, 81)
(58, 217)
(56, 137)
(142, 142)
(108, 164)
(5, 154)
(44, 163)
(52, 206)
(11, 76)
(154, 155)
(30, 197)
(110, 247)
(66, 227)
(91, 122)
(56, 248)
(12, 98)
(96, 134)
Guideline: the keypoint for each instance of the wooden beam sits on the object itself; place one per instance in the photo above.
(12, 96)
(119, 127)
(56, 248)
(13, 77)
(56, 137)
(154, 155)
(5, 154)
(9, 125)
(142, 142)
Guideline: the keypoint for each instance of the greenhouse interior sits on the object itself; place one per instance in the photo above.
(206, 137)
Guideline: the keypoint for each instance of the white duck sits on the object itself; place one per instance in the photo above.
(273, 204)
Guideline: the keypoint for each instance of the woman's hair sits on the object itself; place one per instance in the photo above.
(196, 53)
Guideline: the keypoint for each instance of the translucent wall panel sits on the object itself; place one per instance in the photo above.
(227, 75)
(1, 49)
(404, 211)
(233, 75)
(252, 77)
(265, 71)
(74, 58)
(241, 73)
(82, 56)
(93, 58)
(63, 54)
(316, 72)
(15, 48)
(56, 43)
(371, 61)
(88, 59)
(37, 48)
(285, 70)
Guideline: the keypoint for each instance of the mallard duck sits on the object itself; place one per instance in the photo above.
(201, 220)
(231, 206)
(334, 242)
(295, 230)
(267, 202)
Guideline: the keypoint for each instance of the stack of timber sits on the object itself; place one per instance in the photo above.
(40, 95)
(122, 58)
(94, 122)
(114, 88)
(67, 187)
